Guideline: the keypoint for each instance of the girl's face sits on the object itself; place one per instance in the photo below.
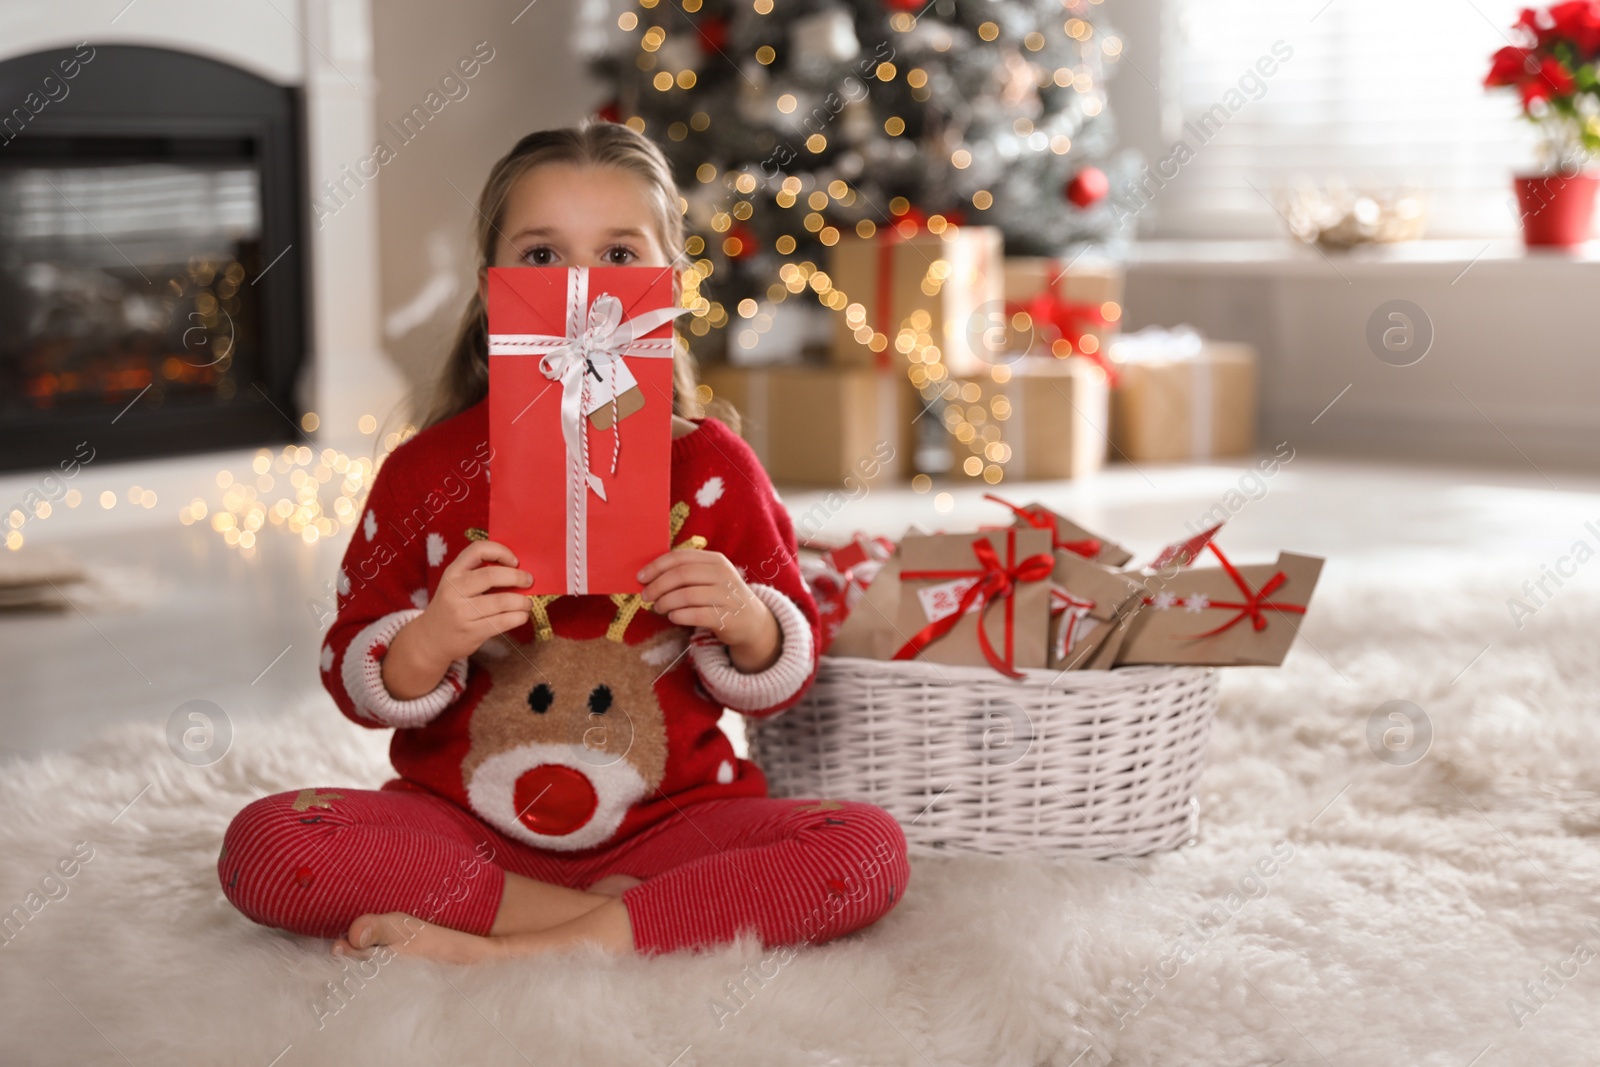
(565, 215)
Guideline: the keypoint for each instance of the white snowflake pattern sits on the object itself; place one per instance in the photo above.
(327, 659)
(435, 549)
(725, 772)
(419, 597)
(369, 525)
(1163, 601)
(1197, 603)
(710, 492)
(344, 583)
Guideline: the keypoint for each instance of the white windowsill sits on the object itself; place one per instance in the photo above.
(1286, 256)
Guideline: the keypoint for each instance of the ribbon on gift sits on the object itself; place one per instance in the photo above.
(596, 338)
(1088, 548)
(904, 227)
(1073, 610)
(1254, 606)
(1070, 319)
(995, 581)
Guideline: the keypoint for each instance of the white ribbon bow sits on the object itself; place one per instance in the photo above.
(596, 339)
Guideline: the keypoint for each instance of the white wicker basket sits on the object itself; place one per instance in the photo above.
(1082, 763)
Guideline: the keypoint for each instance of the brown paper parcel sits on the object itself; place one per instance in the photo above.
(1113, 595)
(1030, 606)
(1111, 554)
(1188, 603)
(869, 632)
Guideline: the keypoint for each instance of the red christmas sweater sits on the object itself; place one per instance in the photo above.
(596, 718)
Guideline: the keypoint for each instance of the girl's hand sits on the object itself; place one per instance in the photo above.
(698, 587)
(463, 614)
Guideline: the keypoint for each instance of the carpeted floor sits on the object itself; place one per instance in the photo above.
(1339, 909)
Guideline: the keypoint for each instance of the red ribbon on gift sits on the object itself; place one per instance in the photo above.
(1070, 319)
(1255, 601)
(1088, 548)
(995, 581)
(906, 226)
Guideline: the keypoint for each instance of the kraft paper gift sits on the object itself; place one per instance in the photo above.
(814, 425)
(1072, 308)
(1087, 602)
(1180, 398)
(1222, 616)
(976, 599)
(953, 278)
(1054, 416)
(1066, 534)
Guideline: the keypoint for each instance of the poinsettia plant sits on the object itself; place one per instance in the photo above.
(1552, 66)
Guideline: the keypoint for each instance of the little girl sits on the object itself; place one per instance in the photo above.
(561, 775)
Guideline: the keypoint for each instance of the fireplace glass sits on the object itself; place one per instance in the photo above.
(127, 282)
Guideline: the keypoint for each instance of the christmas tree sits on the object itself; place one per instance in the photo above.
(791, 121)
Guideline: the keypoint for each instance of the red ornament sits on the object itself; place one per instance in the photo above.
(713, 34)
(747, 242)
(609, 112)
(905, 5)
(1087, 187)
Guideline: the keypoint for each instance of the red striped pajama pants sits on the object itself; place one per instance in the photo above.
(791, 870)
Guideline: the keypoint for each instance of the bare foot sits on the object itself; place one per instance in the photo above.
(614, 885)
(408, 935)
(607, 926)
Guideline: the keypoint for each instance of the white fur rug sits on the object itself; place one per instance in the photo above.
(1419, 907)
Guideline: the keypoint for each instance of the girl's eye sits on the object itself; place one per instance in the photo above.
(533, 256)
(626, 252)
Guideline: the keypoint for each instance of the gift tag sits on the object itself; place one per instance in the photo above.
(939, 601)
(601, 381)
(627, 404)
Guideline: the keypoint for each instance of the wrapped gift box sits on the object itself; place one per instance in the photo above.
(1226, 616)
(1088, 602)
(1179, 397)
(784, 332)
(579, 359)
(943, 615)
(945, 287)
(1053, 416)
(814, 425)
(1070, 309)
(1066, 534)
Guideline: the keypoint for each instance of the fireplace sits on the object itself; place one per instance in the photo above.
(151, 255)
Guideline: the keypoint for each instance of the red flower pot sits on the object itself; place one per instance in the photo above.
(1557, 209)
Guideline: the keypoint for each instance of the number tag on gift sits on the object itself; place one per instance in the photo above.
(939, 601)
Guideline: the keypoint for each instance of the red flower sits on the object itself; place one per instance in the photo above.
(1577, 21)
(1556, 77)
(1509, 67)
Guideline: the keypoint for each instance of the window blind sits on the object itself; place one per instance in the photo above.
(1379, 93)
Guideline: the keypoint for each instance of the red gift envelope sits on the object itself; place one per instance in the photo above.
(580, 421)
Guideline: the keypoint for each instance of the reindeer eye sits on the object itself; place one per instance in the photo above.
(540, 698)
(600, 700)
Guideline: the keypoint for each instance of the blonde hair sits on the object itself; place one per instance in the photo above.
(464, 379)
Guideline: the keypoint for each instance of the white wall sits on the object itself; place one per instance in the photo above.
(426, 195)
(1511, 376)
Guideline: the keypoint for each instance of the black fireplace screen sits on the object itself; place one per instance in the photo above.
(149, 277)
(125, 279)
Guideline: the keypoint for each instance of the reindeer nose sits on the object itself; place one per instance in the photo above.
(552, 799)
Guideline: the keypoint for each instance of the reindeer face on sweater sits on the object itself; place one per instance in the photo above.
(569, 736)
